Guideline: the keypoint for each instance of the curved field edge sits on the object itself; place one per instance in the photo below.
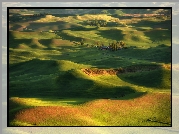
(151, 109)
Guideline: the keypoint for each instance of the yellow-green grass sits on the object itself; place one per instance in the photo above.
(49, 18)
(39, 44)
(49, 88)
(131, 35)
(143, 51)
(98, 120)
(66, 79)
(55, 101)
(161, 80)
(109, 35)
(39, 73)
(152, 109)
(86, 17)
(32, 35)
(77, 18)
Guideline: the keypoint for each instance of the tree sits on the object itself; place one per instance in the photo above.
(82, 42)
(98, 25)
(122, 44)
(105, 23)
(88, 22)
(113, 46)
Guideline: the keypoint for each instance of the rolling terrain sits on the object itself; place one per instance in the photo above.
(56, 80)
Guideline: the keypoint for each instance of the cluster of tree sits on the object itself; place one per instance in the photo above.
(82, 42)
(98, 23)
(117, 45)
(114, 46)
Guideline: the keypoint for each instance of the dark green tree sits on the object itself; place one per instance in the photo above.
(122, 44)
(115, 47)
(98, 25)
(82, 42)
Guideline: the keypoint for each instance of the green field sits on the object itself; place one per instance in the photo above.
(49, 87)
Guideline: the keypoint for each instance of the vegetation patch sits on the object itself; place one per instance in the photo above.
(148, 110)
(130, 69)
(90, 67)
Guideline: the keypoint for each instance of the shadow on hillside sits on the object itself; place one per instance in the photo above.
(154, 78)
(38, 78)
(45, 26)
(15, 27)
(158, 35)
(14, 43)
(161, 30)
(111, 34)
(75, 100)
(34, 67)
(131, 96)
(14, 108)
(80, 28)
(42, 78)
(154, 24)
(69, 37)
(16, 18)
(105, 58)
(160, 53)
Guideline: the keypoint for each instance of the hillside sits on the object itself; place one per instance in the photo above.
(57, 61)
(87, 11)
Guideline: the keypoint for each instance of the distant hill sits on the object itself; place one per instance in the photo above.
(88, 11)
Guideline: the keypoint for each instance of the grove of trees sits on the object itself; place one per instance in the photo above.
(98, 23)
(114, 46)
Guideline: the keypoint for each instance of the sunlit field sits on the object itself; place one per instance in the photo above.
(73, 70)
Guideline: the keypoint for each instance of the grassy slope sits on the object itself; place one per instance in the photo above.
(97, 112)
(51, 63)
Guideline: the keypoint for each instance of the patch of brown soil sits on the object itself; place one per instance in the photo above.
(167, 66)
(39, 114)
(96, 71)
(155, 102)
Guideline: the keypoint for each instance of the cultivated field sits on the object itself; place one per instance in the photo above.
(60, 75)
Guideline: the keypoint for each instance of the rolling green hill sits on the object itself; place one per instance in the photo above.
(47, 62)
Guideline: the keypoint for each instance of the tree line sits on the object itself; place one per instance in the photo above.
(114, 46)
(98, 23)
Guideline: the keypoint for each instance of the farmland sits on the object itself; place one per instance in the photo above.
(59, 77)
